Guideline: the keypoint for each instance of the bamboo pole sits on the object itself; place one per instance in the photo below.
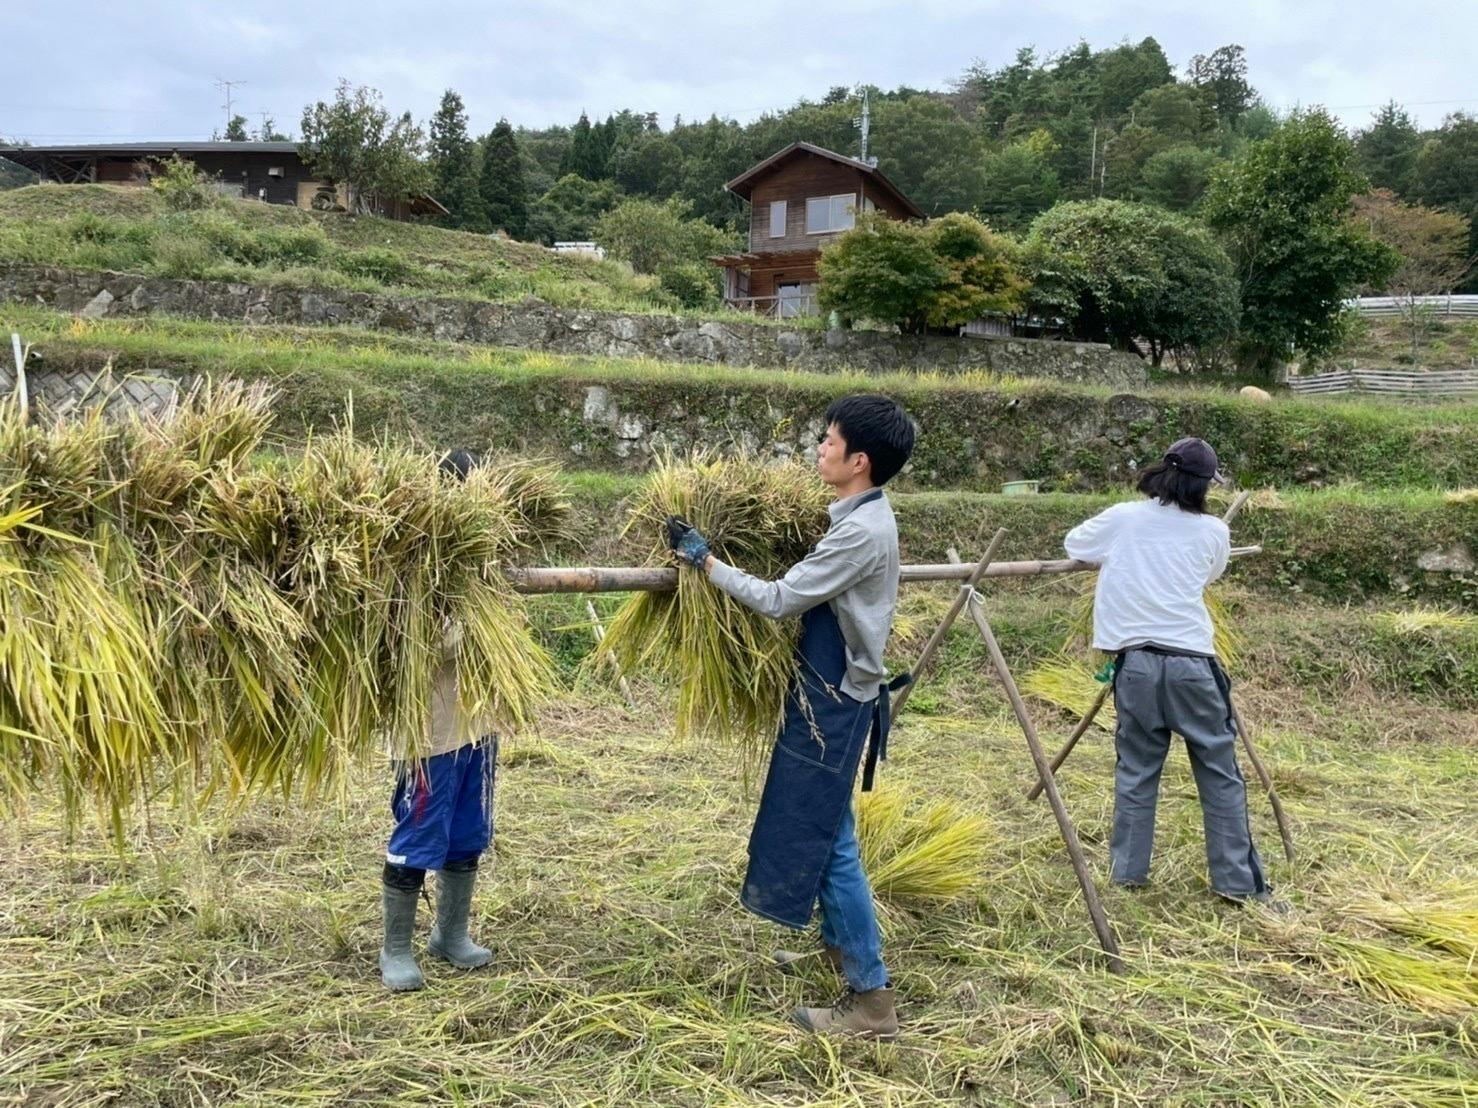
(945, 624)
(1267, 781)
(562, 579)
(1101, 924)
(598, 629)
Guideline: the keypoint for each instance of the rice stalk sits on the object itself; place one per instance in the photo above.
(1431, 982)
(1068, 684)
(1424, 621)
(732, 667)
(918, 854)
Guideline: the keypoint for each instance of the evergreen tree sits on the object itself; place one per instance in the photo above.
(236, 129)
(501, 187)
(1387, 150)
(1222, 74)
(583, 155)
(454, 163)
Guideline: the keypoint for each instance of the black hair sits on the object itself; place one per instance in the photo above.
(459, 463)
(876, 426)
(1169, 484)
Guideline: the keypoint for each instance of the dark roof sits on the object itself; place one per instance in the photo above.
(139, 148)
(743, 184)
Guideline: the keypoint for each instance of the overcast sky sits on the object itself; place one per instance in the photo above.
(105, 70)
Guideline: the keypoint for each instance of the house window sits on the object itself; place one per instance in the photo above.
(830, 213)
(777, 219)
(276, 171)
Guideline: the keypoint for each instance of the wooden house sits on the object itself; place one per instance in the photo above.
(273, 172)
(800, 199)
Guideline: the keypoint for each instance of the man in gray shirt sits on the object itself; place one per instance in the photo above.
(804, 843)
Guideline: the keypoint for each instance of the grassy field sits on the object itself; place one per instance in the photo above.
(220, 960)
(1382, 343)
(131, 230)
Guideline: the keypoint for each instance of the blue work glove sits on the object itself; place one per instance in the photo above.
(686, 542)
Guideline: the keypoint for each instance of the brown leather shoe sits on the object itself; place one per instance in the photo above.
(791, 960)
(868, 1015)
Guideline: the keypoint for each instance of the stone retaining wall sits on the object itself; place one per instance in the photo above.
(535, 325)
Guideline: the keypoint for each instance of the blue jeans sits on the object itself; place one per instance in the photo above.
(848, 920)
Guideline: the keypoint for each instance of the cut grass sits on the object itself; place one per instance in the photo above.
(235, 962)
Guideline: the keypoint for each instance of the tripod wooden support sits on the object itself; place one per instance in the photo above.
(1101, 926)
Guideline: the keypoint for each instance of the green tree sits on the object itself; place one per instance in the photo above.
(1177, 113)
(356, 141)
(1123, 272)
(268, 131)
(1434, 251)
(930, 151)
(1283, 211)
(1177, 177)
(568, 211)
(647, 164)
(1019, 183)
(654, 235)
(500, 185)
(1126, 72)
(583, 157)
(883, 270)
(236, 129)
(917, 276)
(1447, 174)
(978, 271)
(453, 159)
(1387, 150)
(1222, 74)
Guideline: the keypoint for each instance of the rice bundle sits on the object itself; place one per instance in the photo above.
(731, 666)
(920, 853)
(169, 606)
(1070, 685)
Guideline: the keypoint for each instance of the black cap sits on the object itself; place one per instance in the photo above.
(1195, 456)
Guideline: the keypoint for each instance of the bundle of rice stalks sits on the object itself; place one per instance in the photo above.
(537, 494)
(1426, 621)
(168, 609)
(917, 854)
(1071, 685)
(731, 666)
(1434, 983)
(393, 564)
(1448, 923)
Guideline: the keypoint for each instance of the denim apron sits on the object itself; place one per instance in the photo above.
(809, 784)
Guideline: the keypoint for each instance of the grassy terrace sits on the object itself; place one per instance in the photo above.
(979, 430)
(132, 231)
(233, 960)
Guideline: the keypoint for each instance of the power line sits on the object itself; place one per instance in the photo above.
(227, 86)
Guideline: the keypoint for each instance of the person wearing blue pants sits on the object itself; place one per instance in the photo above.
(443, 809)
(803, 847)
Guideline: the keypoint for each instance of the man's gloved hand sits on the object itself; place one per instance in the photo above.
(686, 542)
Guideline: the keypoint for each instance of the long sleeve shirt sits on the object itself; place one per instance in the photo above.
(854, 568)
(1155, 563)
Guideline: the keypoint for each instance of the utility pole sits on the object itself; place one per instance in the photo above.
(864, 124)
(226, 87)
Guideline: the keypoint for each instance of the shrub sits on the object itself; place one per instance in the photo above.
(693, 285)
(183, 187)
(376, 264)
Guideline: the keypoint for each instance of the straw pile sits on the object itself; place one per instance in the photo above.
(920, 854)
(731, 666)
(168, 606)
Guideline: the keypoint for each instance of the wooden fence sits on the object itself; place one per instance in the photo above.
(1420, 384)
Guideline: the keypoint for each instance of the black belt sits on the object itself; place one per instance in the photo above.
(1151, 648)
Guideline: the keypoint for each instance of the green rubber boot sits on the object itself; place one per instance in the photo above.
(398, 967)
(449, 938)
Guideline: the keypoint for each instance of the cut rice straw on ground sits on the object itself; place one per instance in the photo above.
(920, 853)
(1070, 685)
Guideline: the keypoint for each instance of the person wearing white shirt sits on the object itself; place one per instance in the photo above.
(1156, 557)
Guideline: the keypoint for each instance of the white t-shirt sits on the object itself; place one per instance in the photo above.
(1156, 563)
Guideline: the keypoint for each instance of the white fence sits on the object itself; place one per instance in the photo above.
(1450, 305)
(1432, 384)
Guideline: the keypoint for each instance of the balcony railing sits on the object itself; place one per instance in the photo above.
(775, 307)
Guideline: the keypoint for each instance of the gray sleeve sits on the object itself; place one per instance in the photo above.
(845, 555)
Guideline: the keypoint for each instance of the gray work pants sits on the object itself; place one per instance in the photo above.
(1156, 694)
